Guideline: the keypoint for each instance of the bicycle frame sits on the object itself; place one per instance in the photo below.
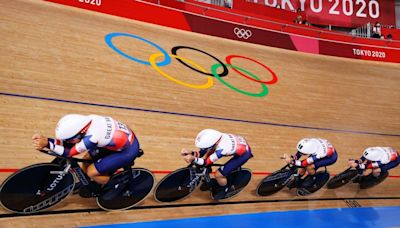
(71, 165)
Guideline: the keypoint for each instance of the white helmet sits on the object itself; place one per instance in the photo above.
(207, 138)
(307, 146)
(71, 125)
(373, 154)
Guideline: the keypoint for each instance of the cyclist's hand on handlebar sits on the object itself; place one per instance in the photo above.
(39, 142)
(288, 158)
(352, 163)
(185, 152)
(187, 156)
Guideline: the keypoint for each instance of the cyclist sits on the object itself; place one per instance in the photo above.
(376, 162)
(214, 145)
(319, 152)
(110, 143)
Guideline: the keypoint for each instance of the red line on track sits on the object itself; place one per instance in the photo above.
(8, 170)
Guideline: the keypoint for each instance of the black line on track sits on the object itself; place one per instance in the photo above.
(90, 210)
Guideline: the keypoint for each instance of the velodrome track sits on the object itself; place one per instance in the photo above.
(55, 60)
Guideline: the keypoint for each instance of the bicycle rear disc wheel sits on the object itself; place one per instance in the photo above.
(370, 181)
(238, 180)
(141, 185)
(321, 178)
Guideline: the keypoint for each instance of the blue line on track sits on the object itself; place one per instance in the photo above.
(199, 116)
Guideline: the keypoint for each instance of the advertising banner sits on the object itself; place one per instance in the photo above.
(341, 13)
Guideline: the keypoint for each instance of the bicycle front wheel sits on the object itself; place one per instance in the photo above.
(35, 188)
(177, 185)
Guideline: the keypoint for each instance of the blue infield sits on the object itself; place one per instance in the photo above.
(338, 217)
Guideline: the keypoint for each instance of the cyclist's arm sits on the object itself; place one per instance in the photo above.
(363, 163)
(210, 159)
(377, 164)
(87, 143)
(312, 159)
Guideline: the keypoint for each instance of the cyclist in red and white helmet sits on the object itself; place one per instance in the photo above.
(376, 159)
(319, 152)
(214, 145)
(109, 142)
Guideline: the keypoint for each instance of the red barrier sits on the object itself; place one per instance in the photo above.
(301, 31)
(393, 44)
(262, 24)
(392, 31)
(337, 37)
(170, 17)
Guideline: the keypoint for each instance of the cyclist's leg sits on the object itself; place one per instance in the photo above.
(233, 164)
(311, 169)
(220, 178)
(301, 171)
(115, 160)
(94, 174)
(222, 173)
(297, 179)
(327, 161)
(382, 172)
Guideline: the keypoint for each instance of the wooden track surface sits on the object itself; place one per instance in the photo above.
(54, 61)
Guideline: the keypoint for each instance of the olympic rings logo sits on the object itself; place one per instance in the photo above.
(242, 33)
(152, 61)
